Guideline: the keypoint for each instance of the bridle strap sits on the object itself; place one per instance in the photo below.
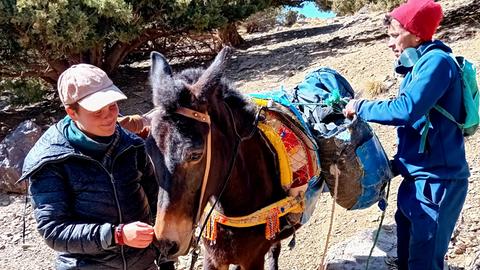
(202, 117)
(205, 118)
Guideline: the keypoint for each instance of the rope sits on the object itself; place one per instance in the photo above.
(334, 167)
(24, 227)
(379, 228)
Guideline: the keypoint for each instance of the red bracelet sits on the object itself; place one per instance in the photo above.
(119, 235)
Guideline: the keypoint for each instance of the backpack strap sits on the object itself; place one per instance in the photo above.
(423, 140)
(441, 110)
(447, 115)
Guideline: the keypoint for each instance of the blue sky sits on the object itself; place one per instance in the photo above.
(310, 10)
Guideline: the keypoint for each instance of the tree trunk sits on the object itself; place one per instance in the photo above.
(230, 36)
(117, 53)
(114, 57)
(55, 68)
(95, 55)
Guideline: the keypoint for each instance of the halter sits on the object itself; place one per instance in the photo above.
(205, 118)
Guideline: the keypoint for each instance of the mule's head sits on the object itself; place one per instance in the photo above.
(178, 145)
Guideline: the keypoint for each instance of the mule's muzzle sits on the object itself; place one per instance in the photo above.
(166, 249)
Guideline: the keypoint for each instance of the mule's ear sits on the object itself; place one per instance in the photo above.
(160, 76)
(159, 65)
(212, 76)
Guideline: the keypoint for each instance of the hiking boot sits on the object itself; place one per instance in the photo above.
(392, 263)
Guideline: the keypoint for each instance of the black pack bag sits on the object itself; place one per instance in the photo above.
(349, 146)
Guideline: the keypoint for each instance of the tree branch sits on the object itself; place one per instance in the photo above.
(120, 50)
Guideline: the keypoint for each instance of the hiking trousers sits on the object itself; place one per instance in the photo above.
(427, 211)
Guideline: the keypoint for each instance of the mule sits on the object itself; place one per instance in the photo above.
(206, 147)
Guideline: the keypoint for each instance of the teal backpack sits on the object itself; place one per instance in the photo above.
(470, 101)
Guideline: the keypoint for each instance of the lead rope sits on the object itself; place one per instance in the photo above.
(24, 227)
(379, 227)
(335, 172)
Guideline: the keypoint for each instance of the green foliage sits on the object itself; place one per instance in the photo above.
(388, 4)
(63, 27)
(344, 7)
(289, 18)
(262, 21)
(50, 35)
(9, 46)
(23, 91)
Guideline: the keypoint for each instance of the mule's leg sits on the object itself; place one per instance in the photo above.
(272, 256)
(255, 262)
(208, 263)
(167, 266)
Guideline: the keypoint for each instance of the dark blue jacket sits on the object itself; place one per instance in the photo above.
(77, 200)
(435, 79)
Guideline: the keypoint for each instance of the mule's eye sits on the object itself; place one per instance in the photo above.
(194, 155)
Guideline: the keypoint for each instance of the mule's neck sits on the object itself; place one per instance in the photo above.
(255, 181)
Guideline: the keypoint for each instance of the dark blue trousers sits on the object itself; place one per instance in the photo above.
(427, 211)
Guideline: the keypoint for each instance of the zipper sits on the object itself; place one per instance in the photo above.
(117, 201)
(120, 216)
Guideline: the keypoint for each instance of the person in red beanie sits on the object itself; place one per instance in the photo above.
(431, 150)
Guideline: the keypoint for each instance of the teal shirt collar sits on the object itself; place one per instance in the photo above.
(90, 146)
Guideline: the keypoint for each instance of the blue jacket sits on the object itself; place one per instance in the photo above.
(435, 79)
(77, 200)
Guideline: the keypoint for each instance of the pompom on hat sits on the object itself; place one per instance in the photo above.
(419, 17)
(89, 86)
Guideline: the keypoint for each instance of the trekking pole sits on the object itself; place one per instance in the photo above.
(379, 227)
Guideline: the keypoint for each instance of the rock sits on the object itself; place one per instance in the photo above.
(475, 263)
(352, 254)
(460, 248)
(13, 150)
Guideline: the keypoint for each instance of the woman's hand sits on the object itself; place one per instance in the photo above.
(137, 234)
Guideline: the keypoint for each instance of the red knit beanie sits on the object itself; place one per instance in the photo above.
(419, 17)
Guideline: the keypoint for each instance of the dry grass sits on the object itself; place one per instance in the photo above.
(373, 88)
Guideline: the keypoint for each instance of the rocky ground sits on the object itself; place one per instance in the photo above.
(356, 47)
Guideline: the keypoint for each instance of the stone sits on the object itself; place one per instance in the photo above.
(352, 254)
(475, 263)
(13, 150)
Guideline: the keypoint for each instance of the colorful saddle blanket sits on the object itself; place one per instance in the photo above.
(296, 148)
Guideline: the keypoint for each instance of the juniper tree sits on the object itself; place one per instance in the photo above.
(44, 37)
(343, 7)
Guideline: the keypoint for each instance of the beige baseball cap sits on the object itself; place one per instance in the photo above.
(89, 86)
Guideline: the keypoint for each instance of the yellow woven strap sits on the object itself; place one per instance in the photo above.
(261, 102)
(286, 175)
(270, 213)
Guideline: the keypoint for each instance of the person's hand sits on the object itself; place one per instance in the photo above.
(137, 234)
(147, 118)
(350, 110)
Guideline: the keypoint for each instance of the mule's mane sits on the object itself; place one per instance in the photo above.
(180, 95)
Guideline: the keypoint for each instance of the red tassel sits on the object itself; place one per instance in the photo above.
(272, 225)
